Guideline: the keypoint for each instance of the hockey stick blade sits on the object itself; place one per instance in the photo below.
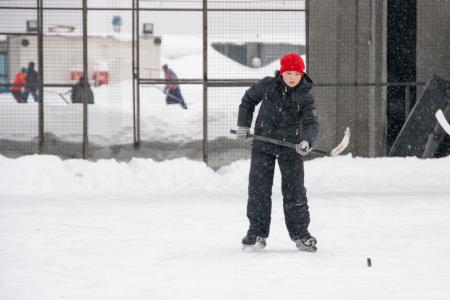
(343, 144)
(442, 121)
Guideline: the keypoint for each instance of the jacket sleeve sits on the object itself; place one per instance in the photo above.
(310, 122)
(252, 97)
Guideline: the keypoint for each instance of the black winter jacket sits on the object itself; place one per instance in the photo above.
(286, 113)
(32, 78)
(78, 92)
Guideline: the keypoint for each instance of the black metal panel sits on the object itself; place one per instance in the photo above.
(413, 136)
(401, 62)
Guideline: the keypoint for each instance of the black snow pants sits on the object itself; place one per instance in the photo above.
(295, 204)
(175, 97)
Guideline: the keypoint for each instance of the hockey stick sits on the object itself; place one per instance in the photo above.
(64, 98)
(442, 121)
(60, 95)
(334, 152)
(178, 100)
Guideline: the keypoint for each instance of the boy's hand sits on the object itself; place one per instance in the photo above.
(242, 132)
(303, 148)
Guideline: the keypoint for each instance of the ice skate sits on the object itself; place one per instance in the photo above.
(253, 242)
(306, 243)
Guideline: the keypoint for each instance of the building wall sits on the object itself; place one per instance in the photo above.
(433, 40)
(63, 54)
(347, 47)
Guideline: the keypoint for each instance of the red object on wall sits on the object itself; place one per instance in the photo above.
(100, 77)
(75, 75)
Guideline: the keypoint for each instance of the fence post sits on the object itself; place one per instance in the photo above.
(205, 81)
(86, 76)
(40, 75)
(135, 72)
(138, 78)
(133, 68)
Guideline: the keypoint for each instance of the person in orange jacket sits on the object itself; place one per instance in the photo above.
(18, 86)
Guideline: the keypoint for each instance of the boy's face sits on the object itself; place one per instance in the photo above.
(291, 78)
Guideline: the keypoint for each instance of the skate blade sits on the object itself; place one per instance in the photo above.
(307, 249)
(253, 248)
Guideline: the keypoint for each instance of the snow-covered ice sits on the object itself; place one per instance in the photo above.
(73, 229)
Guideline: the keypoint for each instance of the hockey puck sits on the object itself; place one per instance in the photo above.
(369, 262)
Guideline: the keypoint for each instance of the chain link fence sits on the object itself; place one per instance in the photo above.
(216, 49)
(213, 50)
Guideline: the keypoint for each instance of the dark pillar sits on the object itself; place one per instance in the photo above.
(401, 63)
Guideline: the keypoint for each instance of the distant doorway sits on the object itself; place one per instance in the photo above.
(401, 64)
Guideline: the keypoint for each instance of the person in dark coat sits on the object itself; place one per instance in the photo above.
(287, 113)
(32, 83)
(80, 90)
(172, 90)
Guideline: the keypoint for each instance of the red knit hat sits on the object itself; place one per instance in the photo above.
(292, 62)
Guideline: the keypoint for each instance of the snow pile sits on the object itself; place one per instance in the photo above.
(50, 174)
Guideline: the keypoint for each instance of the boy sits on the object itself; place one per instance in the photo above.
(287, 113)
